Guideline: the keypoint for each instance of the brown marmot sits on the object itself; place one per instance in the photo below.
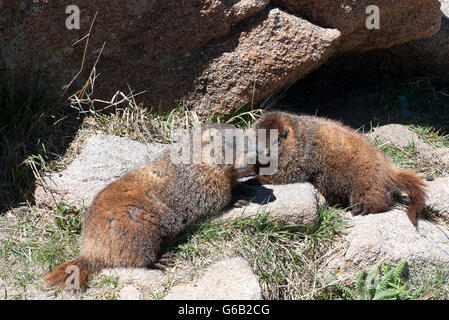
(340, 162)
(133, 216)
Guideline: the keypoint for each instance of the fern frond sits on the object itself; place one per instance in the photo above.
(388, 294)
(348, 293)
(399, 270)
(371, 283)
(382, 282)
(386, 267)
(386, 280)
(360, 284)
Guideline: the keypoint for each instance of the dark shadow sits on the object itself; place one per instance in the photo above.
(364, 90)
(253, 191)
(36, 128)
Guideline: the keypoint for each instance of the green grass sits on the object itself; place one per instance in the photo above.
(431, 135)
(403, 157)
(141, 124)
(108, 286)
(242, 117)
(433, 285)
(31, 244)
(409, 157)
(284, 260)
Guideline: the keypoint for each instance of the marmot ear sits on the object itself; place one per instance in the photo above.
(276, 121)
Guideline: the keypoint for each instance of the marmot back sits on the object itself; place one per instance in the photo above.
(133, 216)
(341, 163)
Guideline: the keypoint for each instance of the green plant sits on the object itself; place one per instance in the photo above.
(383, 282)
(68, 218)
(433, 136)
(242, 117)
(403, 157)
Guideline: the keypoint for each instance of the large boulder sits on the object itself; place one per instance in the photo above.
(296, 204)
(264, 55)
(426, 56)
(430, 54)
(230, 279)
(400, 21)
(390, 237)
(205, 53)
(211, 55)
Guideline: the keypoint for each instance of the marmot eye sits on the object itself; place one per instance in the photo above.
(285, 133)
(279, 141)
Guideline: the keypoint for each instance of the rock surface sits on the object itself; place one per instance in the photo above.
(266, 53)
(230, 279)
(295, 203)
(212, 55)
(142, 278)
(129, 293)
(438, 197)
(102, 160)
(401, 136)
(390, 236)
(426, 56)
(400, 21)
(430, 53)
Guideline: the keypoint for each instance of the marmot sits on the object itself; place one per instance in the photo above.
(340, 162)
(133, 216)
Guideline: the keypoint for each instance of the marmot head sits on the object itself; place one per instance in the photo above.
(279, 139)
(225, 145)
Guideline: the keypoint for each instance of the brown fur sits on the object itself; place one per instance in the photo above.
(341, 163)
(133, 216)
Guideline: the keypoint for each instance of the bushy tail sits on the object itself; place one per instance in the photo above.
(409, 182)
(73, 274)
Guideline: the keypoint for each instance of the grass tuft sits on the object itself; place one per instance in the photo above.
(286, 262)
(434, 137)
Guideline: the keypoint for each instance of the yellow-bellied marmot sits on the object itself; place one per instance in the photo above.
(133, 216)
(340, 162)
